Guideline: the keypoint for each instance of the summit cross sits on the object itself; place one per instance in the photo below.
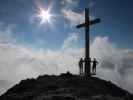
(87, 25)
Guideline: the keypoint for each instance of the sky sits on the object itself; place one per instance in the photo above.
(30, 46)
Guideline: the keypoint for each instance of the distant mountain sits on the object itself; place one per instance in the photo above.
(66, 87)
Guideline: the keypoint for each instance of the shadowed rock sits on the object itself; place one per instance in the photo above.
(66, 87)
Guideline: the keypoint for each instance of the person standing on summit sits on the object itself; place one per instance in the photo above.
(81, 66)
(95, 62)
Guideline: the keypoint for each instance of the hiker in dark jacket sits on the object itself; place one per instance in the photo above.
(94, 62)
(81, 66)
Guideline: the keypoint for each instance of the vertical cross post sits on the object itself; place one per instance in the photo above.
(87, 44)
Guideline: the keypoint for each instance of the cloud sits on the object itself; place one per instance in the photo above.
(74, 3)
(69, 13)
(69, 3)
(18, 62)
(70, 40)
(4, 85)
(115, 63)
(73, 17)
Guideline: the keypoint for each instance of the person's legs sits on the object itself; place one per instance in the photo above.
(81, 71)
(95, 69)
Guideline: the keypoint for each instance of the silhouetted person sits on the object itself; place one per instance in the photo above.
(87, 70)
(81, 66)
(95, 62)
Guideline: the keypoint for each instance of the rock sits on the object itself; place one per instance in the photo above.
(66, 87)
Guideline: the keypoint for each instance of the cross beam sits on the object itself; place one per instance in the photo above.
(97, 20)
(87, 25)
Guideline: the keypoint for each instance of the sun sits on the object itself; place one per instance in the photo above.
(44, 16)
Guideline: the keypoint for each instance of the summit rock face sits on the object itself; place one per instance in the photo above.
(66, 87)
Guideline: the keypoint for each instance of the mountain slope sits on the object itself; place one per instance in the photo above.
(66, 87)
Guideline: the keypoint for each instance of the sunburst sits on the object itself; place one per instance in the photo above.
(45, 16)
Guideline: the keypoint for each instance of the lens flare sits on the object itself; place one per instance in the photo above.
(44, 15)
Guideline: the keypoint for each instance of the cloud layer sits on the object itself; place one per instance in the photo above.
(115, 63)
(18, 62)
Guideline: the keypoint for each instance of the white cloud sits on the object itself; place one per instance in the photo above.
(115, 63)
(70, 40)
(69, 3)
(4, 85)
(73, 17)
(18, 62)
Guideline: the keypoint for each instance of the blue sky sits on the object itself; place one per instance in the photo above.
(116, 21)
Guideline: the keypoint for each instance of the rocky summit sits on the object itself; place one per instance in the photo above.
(66, 87)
